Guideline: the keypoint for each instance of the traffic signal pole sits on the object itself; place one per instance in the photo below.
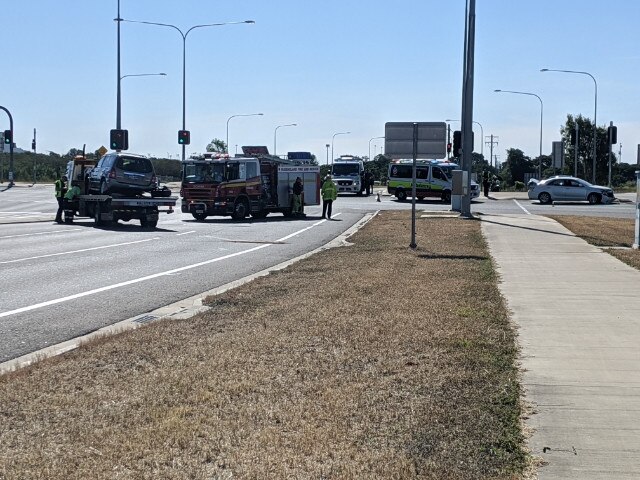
(467, 104)
(10, 176)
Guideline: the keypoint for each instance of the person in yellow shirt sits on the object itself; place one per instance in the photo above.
(61, 190)
(329, 193)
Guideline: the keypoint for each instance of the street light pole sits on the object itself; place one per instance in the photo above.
(327, 145)
(481, 133)
(240, 115)
(332, 138)
(595, 112)
(118, 126)
(374, 138)
(184, 57)
(275, 132)
(541, 113)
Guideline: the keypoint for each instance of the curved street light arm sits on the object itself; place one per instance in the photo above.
(333, 138)
(595, 110)
(275, 132)
(541, 116)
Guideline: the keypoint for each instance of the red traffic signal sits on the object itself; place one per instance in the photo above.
(184, 137)
(448, 148)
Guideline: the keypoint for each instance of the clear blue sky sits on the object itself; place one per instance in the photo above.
(330, 66)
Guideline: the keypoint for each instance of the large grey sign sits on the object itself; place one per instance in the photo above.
(432, 140)
(557, 154)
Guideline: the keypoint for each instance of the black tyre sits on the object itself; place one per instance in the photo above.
(97, 214)
(446, 196)
(594, 198)
(544, 198)
(240, 209)
(146, 223)
(199, 216)
(401, 195)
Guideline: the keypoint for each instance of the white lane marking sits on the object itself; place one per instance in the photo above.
(28, 213)
(42, 233)
(525, 210)
(185, 233)
(78, 251)
(304, 229)
(145, 278)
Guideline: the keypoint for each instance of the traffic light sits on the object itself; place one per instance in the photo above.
(613, 134)
(119, 139)
(8, 138)
(184, 137)
(448, 147)
(457, 143)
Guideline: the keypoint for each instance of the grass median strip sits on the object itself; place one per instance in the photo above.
(605, 232)
(369, 361)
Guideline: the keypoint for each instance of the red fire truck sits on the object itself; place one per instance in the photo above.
(254, 184)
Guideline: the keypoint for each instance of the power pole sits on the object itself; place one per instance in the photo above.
(493, 140)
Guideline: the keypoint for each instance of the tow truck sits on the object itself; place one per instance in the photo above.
(105, 209)
(254, 183)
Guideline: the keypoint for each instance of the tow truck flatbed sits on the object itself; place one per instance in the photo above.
(110, 208)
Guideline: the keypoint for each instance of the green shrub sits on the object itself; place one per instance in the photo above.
(519, 186)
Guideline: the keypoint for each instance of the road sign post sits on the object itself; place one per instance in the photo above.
(636, 243)
(415, 140)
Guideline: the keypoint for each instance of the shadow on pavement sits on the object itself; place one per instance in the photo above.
(527, 228)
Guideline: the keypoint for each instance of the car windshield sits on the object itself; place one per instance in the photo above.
(203, 172)
(349, 169)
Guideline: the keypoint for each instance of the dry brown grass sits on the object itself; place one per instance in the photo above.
(600, 231)
(371, 361)
(605, 232)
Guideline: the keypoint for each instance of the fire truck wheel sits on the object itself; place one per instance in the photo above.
(260, 214)
(199, 216)
(240, 209)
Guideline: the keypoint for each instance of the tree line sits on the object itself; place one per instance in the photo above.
(46, 168)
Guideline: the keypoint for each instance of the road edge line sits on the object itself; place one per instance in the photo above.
(180, 310)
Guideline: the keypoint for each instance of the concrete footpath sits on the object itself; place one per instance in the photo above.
(577, 310)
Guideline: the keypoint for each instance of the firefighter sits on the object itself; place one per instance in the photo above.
(298, 203)
(329, 194)
(61, 190)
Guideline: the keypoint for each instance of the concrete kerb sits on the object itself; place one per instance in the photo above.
(180, 310)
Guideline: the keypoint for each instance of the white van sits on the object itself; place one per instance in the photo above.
(431, 180)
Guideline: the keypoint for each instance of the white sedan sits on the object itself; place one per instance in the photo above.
(569, 189)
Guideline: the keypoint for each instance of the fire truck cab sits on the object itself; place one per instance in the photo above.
(218, 185)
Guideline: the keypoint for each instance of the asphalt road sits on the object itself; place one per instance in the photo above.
(61, 281)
